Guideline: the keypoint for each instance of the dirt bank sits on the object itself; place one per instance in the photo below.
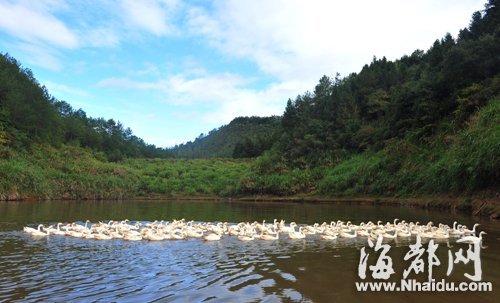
(482, 204)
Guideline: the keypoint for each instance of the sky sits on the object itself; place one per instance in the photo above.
(172, 69)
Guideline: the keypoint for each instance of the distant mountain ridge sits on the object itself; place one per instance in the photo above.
(243, 137)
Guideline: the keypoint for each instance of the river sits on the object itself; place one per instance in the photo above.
(64, 269)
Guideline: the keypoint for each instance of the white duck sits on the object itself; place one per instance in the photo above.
(471, 232)
(472, 239)
(37, 232)
(131, 236)
(296, 235)
(212, 237)
(57, 230)
(328, 236)
(348, 235)
(269, 237)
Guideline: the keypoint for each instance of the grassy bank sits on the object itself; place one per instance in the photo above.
(75, 173)
(45, 172)
(449, 173)
(461, 163)
(485, 204)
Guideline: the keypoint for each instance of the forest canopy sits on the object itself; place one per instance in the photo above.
(426, 122)
(29, 114)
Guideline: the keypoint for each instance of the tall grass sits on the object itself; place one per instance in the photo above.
(75, 173)
(472, 162)
(192, 177)
(463, 162)
(469, 162)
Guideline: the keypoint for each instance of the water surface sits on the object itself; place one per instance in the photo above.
(61, 269)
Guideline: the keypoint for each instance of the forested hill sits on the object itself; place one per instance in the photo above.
(243, 137)
(427, 122)
(30, 115)
(417, 97)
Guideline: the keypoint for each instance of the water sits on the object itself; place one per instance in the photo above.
(62, 269)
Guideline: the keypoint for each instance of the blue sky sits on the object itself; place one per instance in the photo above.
(172, 69)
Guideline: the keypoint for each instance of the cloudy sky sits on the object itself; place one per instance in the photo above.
(172, 69)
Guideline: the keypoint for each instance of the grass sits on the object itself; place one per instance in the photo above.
(464, 162)
(469, 163)
(188, 177)
(75, 173)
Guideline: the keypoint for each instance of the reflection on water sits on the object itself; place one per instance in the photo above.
(64, 269)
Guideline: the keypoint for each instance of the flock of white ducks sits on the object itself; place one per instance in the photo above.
(245, 231)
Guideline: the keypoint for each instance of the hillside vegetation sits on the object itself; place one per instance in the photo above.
(425, 124)
(30, 115)
(243, 137)
(70, 172)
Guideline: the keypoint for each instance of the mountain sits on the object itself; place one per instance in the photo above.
(425, 123)
(418, 98)
(409, 98)
(30, 115)
(243, 137)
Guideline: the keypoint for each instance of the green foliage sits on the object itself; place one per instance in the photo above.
(355, 176)
(30, 115)
(285, 183)
(188, 177)
(473, 161)
(65, 172)
(461, 162)
(425, 123)
(72, 172)
(244, 137)
(468, 163)
(407, 98)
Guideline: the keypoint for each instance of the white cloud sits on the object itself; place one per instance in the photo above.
(152, 16)
(208, 89)
(34, 24)
(291, 42)
(124, 83)
(101, 37)
(295, 43)
(37, 34)
(222, 97)
(293, 39)
(55, 26)
(45, 57)
(149, 70)
(58, 90)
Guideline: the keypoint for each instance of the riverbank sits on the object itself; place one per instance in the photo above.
(485, 204)
(478, 205)
(74, 173)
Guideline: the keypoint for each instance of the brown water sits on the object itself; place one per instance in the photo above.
(63, 269)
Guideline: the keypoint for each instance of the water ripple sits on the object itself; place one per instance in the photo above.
(63, 269)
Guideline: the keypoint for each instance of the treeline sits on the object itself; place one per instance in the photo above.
(70, 172)
(243, 137)
(416, 98)
(30, 115)
(428, 122)
(409, 98)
